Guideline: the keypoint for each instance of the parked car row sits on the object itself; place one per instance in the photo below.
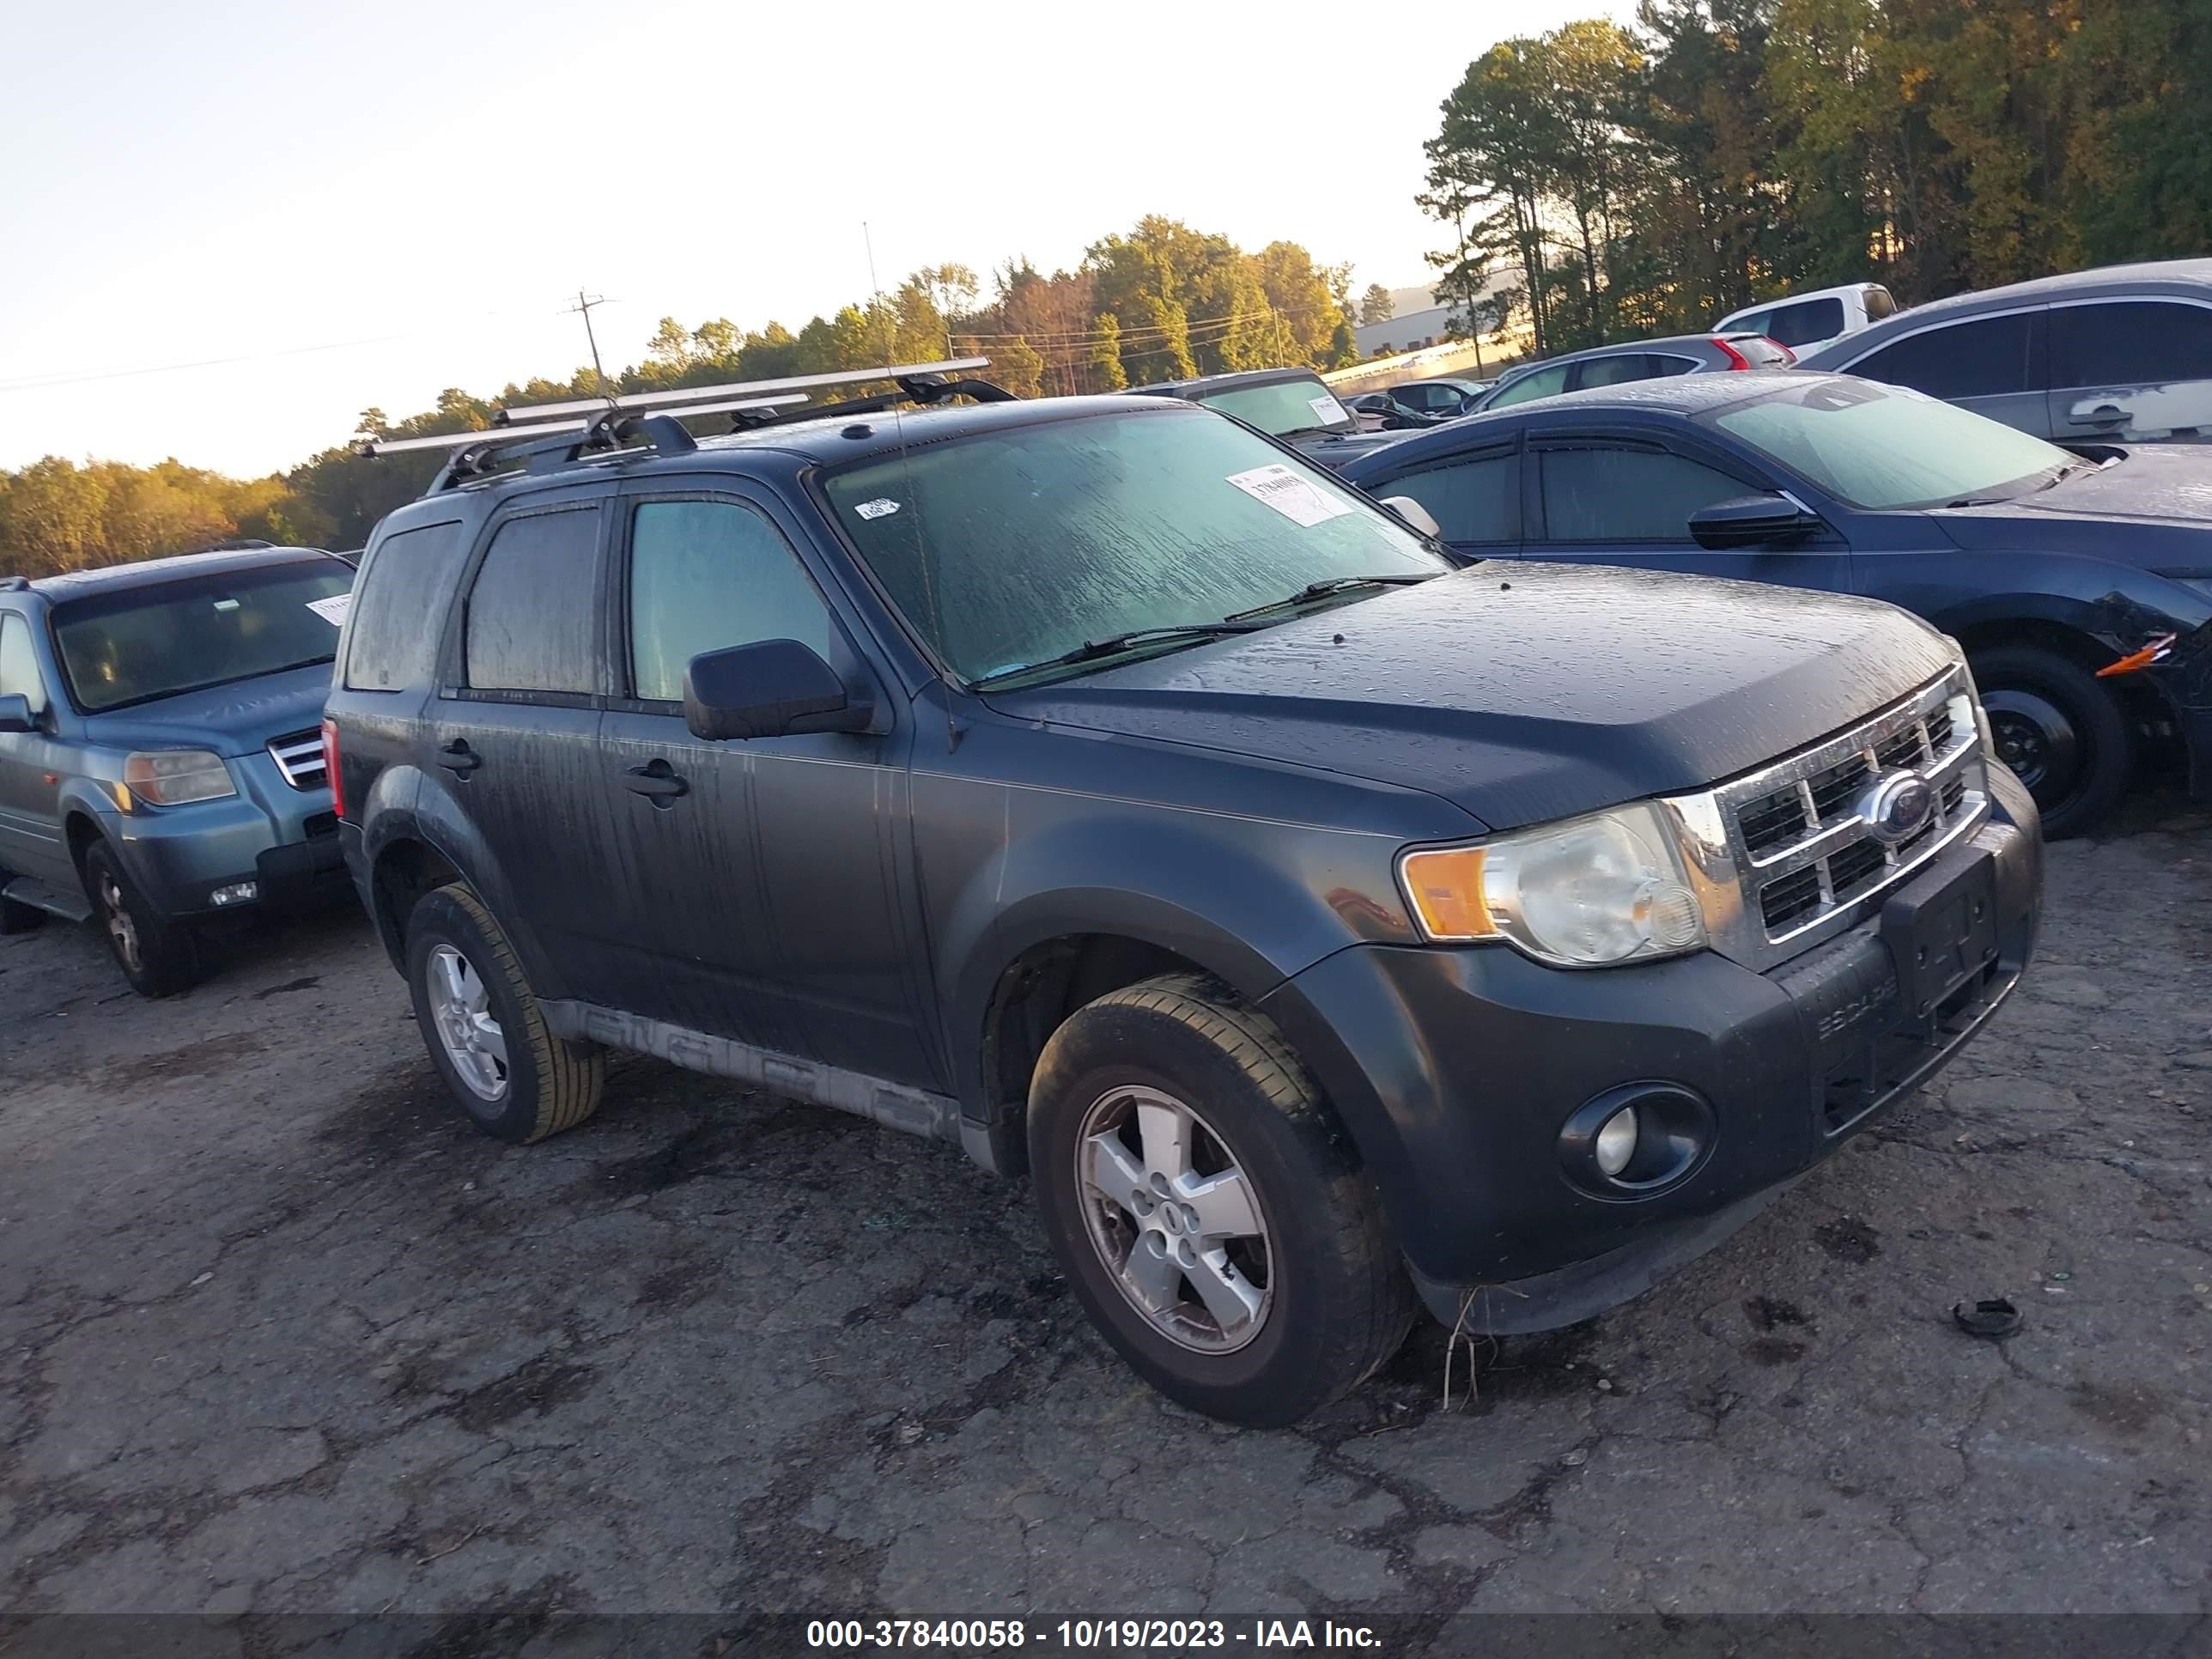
(1109, 787)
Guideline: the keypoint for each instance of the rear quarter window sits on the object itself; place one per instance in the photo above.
(399, 608)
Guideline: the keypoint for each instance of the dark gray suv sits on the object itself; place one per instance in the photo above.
(1098, 785)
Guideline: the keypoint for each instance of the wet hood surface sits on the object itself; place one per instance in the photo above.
(2161, 492)
(231, 719)
(1524, 692)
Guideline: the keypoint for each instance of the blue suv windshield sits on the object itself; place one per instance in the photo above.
(138, 644)
(1012, 547)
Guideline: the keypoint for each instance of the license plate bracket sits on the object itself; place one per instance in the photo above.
(1942, 929)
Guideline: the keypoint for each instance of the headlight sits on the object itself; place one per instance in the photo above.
(176, 777)
(1586, 893)
(1973, 700)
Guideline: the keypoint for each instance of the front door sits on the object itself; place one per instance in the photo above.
(2131, 371)
(1474, 496)
(31, 766)
(767, 876)
(1616, 500)
(1994, 365)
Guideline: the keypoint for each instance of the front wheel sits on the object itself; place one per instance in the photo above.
(2061, 731)
(158, 956)
(1208, 1213)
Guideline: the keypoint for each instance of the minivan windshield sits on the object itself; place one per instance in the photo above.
(1008, 548)
(134, 644)
(1877, 446)
(1281, 407)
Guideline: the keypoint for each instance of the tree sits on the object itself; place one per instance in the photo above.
(1105, 361)
(1376, 305)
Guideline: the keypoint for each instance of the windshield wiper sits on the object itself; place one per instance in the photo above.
(2060, 477)
(1115, 644)
(1328, 584)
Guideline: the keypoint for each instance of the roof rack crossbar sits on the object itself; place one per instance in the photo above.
(692, 394)
(923, 389)
(517, 435)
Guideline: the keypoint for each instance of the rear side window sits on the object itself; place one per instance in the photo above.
(1879, 303)
(1471, 500)
(2131, 343)
(1627, 494)
(1804, 322)
(532, 620)
(399, 609)
(1614, 371)
(19, 663)
(704, 575)
(1985, 358)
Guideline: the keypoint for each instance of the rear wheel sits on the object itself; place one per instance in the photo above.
(2061, 729)
(485, 1032)
(160, 957)
(1210, 1218)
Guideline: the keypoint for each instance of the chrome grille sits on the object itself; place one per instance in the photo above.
(299, 758)
(1783, 855)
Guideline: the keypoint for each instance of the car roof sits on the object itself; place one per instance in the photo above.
(1780, 300)
(1619, 348)
(1216, 382)
(2157, 276)
(146, 573)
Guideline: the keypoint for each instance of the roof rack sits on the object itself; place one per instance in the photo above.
(688, 394)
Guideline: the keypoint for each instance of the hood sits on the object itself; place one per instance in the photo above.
(1524, 692)
(2162, 492)
(231, 719)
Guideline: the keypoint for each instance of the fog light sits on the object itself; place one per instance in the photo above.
(239, 892)
(1616, 1141)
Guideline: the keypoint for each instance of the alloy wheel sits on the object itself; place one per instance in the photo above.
(460, 1008)
(122, 931)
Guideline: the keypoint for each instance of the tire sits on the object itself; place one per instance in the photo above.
(486, 1034)
(2062, 731)
(1324, 1299)
(159, 955)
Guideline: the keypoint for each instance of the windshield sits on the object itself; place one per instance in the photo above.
(1878, 446)
(142, 643)
(1040, 539)
(1282, 406)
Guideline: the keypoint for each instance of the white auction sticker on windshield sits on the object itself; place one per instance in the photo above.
(1291, 496)
(332, 610)
(1329, 409)
(882, 508)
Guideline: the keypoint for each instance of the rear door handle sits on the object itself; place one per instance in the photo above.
(657, 780)
(457, 757)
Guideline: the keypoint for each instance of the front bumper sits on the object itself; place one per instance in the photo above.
(1456, 1069)
(283, 840)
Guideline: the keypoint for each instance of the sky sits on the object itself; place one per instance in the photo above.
(227, 228)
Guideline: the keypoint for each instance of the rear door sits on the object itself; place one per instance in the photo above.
(767, 875)
(1600, 499)
(32, 765)
(2131, 370)
(1996, 365)
(515, 728)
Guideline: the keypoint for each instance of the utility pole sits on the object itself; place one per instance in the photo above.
(583, 309)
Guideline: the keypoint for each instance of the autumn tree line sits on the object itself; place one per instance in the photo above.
(1599, 182)
(1160, 302)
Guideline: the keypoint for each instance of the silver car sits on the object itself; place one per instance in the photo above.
(2124, 353)
(1633, 360)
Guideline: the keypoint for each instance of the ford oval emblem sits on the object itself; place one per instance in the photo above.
(1898, 807)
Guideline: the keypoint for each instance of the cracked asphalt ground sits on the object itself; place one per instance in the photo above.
(278, 1332)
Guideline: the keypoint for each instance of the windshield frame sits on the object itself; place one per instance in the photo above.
(133, 597)
(2002, 489)
(931, 660)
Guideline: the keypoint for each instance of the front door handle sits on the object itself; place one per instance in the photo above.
(658, 782)
(2097, 415)
(458, 758)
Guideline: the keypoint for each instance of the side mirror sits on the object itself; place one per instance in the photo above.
(1752, 521)
(768, 689)
(15, 713)
(1415, 515)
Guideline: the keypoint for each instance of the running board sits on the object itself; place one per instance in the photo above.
(68, 905)
(894, 1105)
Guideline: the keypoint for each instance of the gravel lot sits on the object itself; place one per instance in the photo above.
(278, 1332)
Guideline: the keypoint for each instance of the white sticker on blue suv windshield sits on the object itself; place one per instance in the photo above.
(1327, 409)
(882, 508)
(1293, 497)
(332, 610)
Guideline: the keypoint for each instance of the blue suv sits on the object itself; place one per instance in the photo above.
(160, 747)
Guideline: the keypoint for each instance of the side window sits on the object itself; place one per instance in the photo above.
(1804, 322)
(1879, 303)
(1472, 500)
(1537, 383)
(1978, 359)
(708, 575)
(1664, 363)
(2134, 343)
(1613, 371)
(1627, 494)
(19, 663)
(532, 621)
(399, 609)
(1758, 322)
